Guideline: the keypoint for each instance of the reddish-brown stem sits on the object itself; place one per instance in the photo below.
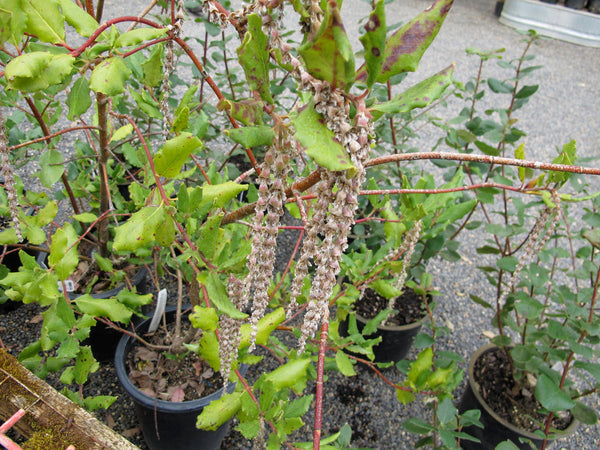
(47, 134)
(89, 7)
(319, 386)
(50, 136)
(103, 156)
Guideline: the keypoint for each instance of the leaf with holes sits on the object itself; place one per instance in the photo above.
(329, 55)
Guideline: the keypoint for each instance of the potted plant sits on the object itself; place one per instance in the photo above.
(530, 366)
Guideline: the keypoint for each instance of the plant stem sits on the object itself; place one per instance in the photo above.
(103, 156)
(319, 387)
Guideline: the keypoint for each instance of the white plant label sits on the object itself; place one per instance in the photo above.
(69, 285)
(161, 302)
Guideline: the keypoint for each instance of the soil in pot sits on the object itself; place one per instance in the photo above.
(409, 306)
(166, 424)
(510, 411)
(399, 331)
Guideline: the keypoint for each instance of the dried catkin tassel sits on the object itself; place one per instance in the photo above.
(9, 180)
(536, 241)
(230, 330)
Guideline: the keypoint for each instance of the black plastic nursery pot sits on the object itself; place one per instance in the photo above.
(168, 425)
(495, 429)
(575, 4)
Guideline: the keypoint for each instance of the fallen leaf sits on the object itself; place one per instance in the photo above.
(110, 421)
(131, 432)
(37, 318)
(178, 395)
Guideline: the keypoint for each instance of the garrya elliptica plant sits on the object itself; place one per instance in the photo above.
(545, 272)
(318, 147)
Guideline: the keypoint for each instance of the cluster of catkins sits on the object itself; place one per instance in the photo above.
(9, 180)
(336, 193)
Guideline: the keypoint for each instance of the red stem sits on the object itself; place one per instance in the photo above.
(319, 387)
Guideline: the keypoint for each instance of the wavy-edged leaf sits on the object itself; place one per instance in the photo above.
(104, 307)
(249, 137)
(319, 141)
(248, 111)
(149, 224)
(139, 35)
(406, 46)
(329, 55)
(13, 22)
(110, 76)
(78, 98)
(217, 412)
(254, 58)
(79, 19)
(63, 251)
(45, 20)
(217, 293)
(418, 96)
(172, 156)
(373, 42)
(34, 71)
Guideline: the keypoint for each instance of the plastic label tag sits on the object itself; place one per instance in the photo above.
(68, 284)
(161, 303)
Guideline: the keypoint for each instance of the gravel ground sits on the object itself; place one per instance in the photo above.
(565, 107)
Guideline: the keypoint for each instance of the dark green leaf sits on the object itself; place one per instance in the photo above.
(551, 396)
(373, 42)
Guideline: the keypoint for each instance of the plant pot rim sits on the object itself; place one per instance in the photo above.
(475, 388)
(123, 348)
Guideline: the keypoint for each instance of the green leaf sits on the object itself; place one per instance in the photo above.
(217, 293)
(51, 167)
(220, 194)
(249, 137)
(78, 98)
(98, 402)
(149, 224)
(153, 67)
(104, 264)
(104, 307)
(79, 19)
(219, 411)
(181, 120)
(319, 141)
(584, 413)
(422, 365)
(45, 20)
(289, 375)
(329, 55)
(265, 326)
(551, 396)
(84, 364)
(122, 133)
(446, 411)
(254, 58)
(34, 71)
(13, 21)
(527, 91)
(209, 349)
(109, 77)
(139, 35)
(406, 46)
(500, 87)
(204, 318)
(344, 364)
(417, 96)
(418, 426)
(298, 407)
(567, 156)
(172, 156)
(373, 42)
(63, 251)
(248, 111)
